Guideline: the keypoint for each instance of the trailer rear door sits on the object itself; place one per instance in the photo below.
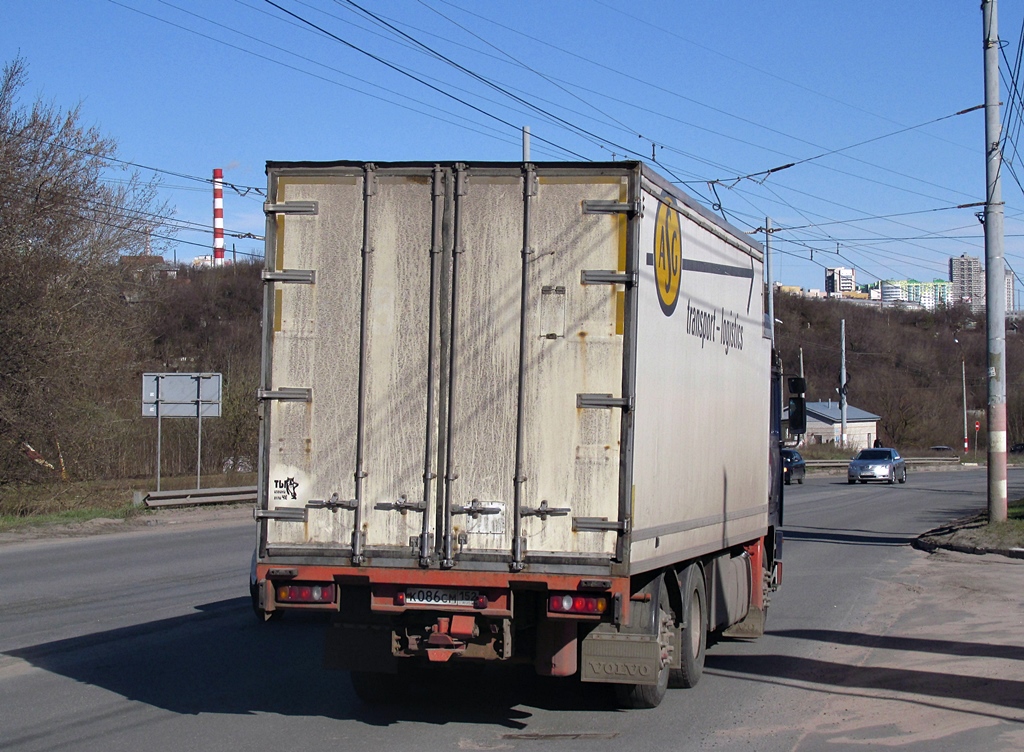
(432, 394)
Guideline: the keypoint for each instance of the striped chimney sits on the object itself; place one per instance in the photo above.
(218, 217)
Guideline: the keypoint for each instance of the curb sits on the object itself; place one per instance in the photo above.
(926, 542)
(930, 546)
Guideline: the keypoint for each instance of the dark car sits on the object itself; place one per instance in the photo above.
(793, 466)
(877, 464)
(1017, 448)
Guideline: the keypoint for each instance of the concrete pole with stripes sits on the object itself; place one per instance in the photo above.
(995, 283)
(218, 217)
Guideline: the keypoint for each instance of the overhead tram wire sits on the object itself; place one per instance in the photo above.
(619, 145)
(501, 135)
(130, 229)
(879, 216)
(718, 203)
(574, 128)
(673, 93)
(765, 174)
(115, 212)
(1014, 110)
(717, 51)
(782, 186)
(660, 164)
(448, 120)
(550, 79)
(419, 80)
(242, 190)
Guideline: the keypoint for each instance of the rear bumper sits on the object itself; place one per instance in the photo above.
(385, 583)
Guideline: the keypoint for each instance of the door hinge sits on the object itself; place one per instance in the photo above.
(402, 504)
(607, 277)
(334, 503)
(296, 276)
(603, 401)
(476, 508)
(286, 394)
(602, 206)
(292, 207)
(544, 511)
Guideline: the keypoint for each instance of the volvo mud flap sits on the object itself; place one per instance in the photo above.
(618, 658)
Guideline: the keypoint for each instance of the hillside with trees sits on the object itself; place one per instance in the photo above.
(85, 310)
(905, 366)
(82, 319)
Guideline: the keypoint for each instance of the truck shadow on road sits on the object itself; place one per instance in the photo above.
(916, 644)
(847, 537)
(919, 686)
(220, 660)
(867, 537)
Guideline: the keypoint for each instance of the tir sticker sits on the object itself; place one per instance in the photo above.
(286, 490)
(668, 257)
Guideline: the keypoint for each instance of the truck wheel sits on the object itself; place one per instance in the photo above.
(645, 696)
(694, 636)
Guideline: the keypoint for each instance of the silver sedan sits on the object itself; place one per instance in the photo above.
(877, 464)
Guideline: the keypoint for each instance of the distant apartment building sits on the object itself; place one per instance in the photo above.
(840, 280)
(968, 280)
(910, 292)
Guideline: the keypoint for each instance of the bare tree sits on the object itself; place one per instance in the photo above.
(69, 348)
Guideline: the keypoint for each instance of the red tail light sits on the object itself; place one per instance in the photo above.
(300, 592)
(577, 603)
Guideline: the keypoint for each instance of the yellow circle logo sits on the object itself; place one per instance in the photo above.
(668, 257)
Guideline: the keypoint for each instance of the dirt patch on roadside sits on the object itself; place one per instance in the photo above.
(933, 663)
(202, 516)
(974, 535)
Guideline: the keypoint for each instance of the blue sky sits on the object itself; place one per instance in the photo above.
(862, 95)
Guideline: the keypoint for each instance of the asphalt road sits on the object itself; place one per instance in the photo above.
(144, 640)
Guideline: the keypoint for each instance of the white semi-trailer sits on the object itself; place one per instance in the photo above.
(514, 412)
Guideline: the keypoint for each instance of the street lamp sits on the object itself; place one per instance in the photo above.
(963, 372)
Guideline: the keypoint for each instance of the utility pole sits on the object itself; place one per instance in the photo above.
(768, 275)
(526, 144)
(995, 299)
(842, 381)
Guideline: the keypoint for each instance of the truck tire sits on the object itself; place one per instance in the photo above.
(694, 637)
(646, 696)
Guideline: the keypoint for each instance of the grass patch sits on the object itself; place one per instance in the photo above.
(69, 502)
(8, 523)
(977, 533)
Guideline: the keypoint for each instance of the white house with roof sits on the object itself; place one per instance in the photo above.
(825, 425)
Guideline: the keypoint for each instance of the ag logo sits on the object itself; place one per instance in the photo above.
(668, 257)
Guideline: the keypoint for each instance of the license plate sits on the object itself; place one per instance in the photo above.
(440, 596)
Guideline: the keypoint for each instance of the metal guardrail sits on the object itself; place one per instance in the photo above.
(908, 460)
(193, 496)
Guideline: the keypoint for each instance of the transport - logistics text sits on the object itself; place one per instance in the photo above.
(710, 326)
